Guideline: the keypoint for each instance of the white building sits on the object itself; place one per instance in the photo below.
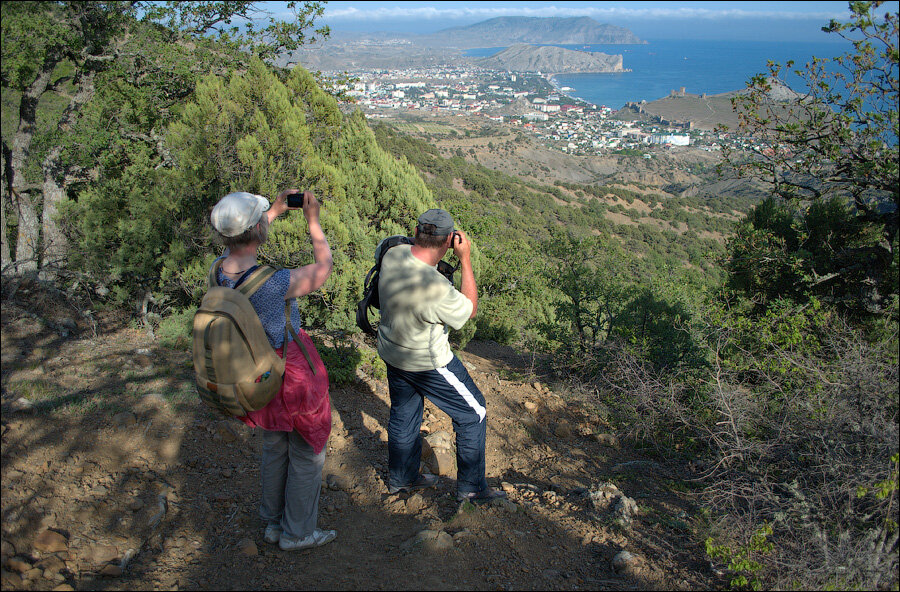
(674, 140)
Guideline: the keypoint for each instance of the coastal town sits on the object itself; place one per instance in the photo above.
(530, 101)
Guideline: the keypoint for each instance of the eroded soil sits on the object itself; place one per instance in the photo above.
(116, 477)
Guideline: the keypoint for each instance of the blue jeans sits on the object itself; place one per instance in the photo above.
(453, 391)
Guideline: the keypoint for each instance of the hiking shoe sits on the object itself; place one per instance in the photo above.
(272, 534)
(485, 495)
(316, 539)
(424, 480)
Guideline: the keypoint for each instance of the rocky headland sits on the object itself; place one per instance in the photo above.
(358, 51)
(557, 60)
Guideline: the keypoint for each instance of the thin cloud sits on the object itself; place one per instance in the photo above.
(464, 12)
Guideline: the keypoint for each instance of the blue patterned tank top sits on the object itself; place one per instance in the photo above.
(268, 302)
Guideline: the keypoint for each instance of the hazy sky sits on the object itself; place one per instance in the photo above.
(765, 21)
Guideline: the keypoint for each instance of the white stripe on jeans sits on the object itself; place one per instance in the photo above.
(464, 391)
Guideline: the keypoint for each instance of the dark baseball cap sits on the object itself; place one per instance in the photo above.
(441, 219)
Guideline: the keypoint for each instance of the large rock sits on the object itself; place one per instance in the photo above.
(337, 482)
(440, 439)
(440, 461)
(438, 453)
(624, 510)
(50, 541)
(100, 554)
(52, 563)
(17, 565)
(623, 562)
(429, 540)
(11, 580)
(607, 498)
(112, 570)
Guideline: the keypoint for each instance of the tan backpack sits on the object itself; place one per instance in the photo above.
(236, 368)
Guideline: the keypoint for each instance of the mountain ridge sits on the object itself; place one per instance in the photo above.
(505, 30)
(386, 50)
(523, 57)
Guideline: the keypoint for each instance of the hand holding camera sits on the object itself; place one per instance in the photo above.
(461, 245)
(304, 200)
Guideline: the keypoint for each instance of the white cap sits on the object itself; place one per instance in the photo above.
(238, 212)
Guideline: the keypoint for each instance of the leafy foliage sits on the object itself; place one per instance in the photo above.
(831, 160)
(254, 132)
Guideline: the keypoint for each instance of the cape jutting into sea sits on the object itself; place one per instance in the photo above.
(700, 66)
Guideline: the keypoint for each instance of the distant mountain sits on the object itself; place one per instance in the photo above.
(508, 30)
(552, 60)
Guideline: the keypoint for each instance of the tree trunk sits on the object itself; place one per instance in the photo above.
(56, 178)
(5, 257)
(29, 237)
(53, 253)
(28, 241)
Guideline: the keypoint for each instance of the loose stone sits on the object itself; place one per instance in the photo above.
(50, 541)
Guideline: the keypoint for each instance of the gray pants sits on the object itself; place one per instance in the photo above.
(291, 482)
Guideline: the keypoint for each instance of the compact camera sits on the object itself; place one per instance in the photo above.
(295, 200)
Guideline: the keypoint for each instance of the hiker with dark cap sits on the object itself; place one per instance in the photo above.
(297, 422)
(418, 305)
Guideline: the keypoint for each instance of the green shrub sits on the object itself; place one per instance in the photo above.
(175, 330)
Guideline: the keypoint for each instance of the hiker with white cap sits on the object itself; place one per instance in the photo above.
(296, 423)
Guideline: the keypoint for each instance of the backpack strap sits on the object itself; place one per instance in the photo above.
(253, 281)
(289, 326)
(211, 280)
(248, 283)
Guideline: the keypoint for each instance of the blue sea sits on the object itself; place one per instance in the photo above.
(699, 66)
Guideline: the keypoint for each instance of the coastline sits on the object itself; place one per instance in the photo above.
(712, 67)
(551, 78)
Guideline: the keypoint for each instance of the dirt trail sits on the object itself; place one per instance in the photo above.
(115, 477)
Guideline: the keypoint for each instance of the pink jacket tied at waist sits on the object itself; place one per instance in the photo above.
(302, 404)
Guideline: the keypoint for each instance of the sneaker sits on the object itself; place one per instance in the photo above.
(272, 534)
(424, 480)
(316, 539)
(485, 495)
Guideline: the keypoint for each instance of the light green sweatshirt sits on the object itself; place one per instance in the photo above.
(417, 306)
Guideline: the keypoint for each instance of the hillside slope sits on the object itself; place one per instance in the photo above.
(528, 58)
(115, 477)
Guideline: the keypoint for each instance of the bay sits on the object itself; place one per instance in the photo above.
(699, 66)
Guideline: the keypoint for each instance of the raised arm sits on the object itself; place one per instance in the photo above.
(310, 278)
(468, 287)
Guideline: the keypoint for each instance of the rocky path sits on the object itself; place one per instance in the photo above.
(115, 477)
